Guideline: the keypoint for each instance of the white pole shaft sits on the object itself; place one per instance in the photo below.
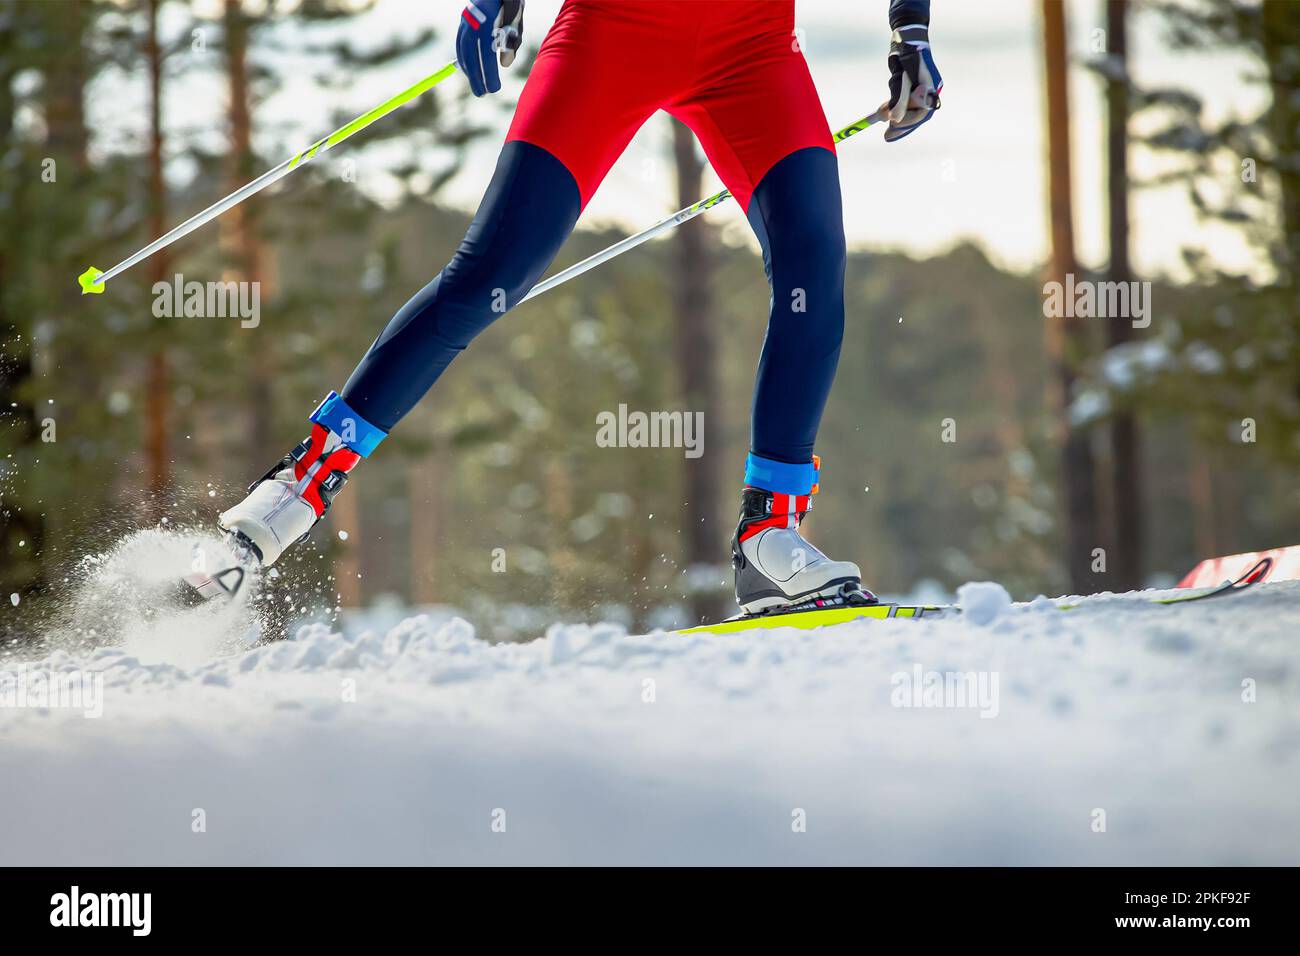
(673, 221)
(623, 245)
(92, 280)
(198, 219)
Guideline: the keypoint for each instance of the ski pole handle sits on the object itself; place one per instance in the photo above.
(673, 221)
(92, 280)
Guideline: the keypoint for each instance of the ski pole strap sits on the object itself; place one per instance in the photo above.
(353, 430)
(782, 477)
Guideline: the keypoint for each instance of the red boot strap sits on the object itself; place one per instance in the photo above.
(786, 512)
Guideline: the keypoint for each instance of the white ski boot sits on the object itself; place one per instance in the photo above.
(776, 567)
(285, 503)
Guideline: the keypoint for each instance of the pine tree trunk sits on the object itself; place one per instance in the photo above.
(566, 587)
(1200, 489)
(345, 516)
(66, 73)
(1066, 340)
(157, 390)
(1281, 44)
(20, 566)
(240, 227)
(1126, 475)
(704, 538)
(424, 477)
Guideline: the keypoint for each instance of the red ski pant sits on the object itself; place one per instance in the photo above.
(732, 72)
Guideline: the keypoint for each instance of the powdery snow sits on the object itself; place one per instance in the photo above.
(983, 602)
(595, 746)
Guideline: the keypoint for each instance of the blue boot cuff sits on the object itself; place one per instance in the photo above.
(779, 476)
(357, 433)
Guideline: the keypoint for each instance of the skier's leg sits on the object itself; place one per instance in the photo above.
(758, 118)
(762, 126)
(568, 129)
(796, 214)
(797, 217)
(566, 133)
(529, 210)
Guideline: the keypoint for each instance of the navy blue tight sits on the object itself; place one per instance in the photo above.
(527, 213)
(529, 210)
(797, 217)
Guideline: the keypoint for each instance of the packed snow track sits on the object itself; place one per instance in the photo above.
(1118, 733)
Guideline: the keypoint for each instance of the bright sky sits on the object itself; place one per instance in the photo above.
(975, 171)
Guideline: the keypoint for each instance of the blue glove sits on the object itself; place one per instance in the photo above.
(488, 27)
(914, 81)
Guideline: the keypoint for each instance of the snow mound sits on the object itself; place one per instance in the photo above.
(1106, 735)
(983, 602)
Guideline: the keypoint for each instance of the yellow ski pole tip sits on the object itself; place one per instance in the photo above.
(88, 283)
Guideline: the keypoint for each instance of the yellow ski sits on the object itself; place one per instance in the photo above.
(822, 617)
(816, 617)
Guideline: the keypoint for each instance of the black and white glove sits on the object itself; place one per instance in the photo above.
(488, 27)
(914, 81)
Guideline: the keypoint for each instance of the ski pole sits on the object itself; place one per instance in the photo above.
(92, 280)
(672, 222)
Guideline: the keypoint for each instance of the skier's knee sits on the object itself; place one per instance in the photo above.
(486, 284)
(813, 245)
(528, 211)
(808, 270)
